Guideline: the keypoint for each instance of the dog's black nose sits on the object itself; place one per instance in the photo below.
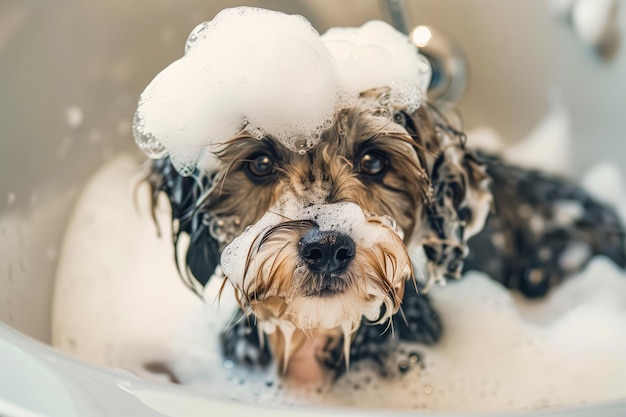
(326, 251)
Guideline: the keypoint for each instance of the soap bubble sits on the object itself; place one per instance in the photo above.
(300, 81)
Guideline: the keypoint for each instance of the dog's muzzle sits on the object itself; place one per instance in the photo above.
(327, 266)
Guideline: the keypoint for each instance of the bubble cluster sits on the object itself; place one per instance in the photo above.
(234, 255)
(376, 55)
(349, 219)
(270, 74)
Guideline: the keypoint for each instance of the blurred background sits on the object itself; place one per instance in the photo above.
(71, 72)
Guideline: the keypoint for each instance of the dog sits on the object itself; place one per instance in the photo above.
(341, 244)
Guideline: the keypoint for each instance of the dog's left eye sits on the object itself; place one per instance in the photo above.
(373, 163)
(260, 166)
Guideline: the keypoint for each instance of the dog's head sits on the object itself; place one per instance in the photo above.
(315, 221)
(315, 241)
(326, 243)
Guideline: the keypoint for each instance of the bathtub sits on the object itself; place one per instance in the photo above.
(70, 75)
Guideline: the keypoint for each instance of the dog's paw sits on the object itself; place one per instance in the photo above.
(241, 343)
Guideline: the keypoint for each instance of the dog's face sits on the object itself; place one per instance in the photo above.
(321, 236)
(365, 158)
(314, 241)
(326, 246)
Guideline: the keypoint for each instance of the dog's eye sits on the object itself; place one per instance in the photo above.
(373, 163)
(260, 166)
(399, 118)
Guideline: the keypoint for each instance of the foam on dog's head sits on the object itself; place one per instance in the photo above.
(247, 66)
(272, 75)
(376, 55)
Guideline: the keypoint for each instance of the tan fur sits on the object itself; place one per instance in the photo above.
(330, 164)
(276, 282)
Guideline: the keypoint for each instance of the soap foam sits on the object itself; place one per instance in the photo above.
(377, 55)
(270, 74)
(239, 69)
(233, 259)
(499, 351)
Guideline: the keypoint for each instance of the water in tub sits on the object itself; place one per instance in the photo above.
(119, 303)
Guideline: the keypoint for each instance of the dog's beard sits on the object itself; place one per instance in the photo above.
(275, 283)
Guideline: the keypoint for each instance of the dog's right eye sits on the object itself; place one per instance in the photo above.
(373, 163)
(260, 166)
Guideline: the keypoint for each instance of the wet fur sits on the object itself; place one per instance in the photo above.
(445, 197)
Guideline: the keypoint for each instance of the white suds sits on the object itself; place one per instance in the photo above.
(567, 212)
(270, 74)
(233, 259)
(499, 352)
(390, 58)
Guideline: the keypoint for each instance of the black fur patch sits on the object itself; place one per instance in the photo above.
(203, 254)
(536, 220)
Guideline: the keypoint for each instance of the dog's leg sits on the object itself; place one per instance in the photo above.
(542, 230)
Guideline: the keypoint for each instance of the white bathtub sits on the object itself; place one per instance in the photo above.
(70, 75)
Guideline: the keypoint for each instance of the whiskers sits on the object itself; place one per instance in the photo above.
(327, 285)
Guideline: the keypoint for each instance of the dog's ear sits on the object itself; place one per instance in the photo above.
(480, 197)
(201, 255)
(460, 199)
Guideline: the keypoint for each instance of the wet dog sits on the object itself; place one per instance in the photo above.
(341, 243)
